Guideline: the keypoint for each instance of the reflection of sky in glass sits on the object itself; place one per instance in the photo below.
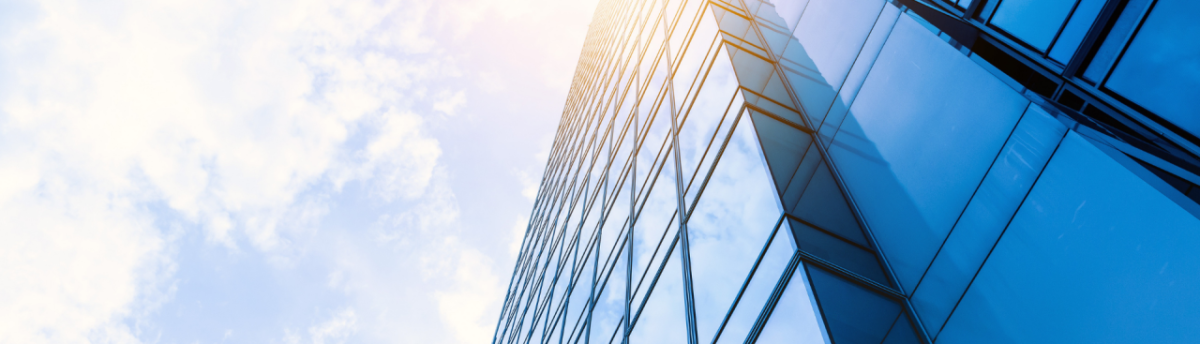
(1076, 28)
(732, 220)
(1161, 69)
(1033, 21)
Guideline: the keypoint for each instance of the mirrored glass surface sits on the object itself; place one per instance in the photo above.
(1035, 22)
(1116, 39)
(662, 319)
(1160, 71)
(1006, 184)
(770, 268)
(1095, 255)
(734, 215)
(1077, 27)
(852, 313)
(795, 318)
(917, 141)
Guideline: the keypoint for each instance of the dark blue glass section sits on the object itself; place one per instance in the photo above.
(838, 251)
(902, 332)
(733, 218)
(1117, 36)
(998, 198)
(795, 318)
(1161, 69)
(773, 263)
(783, 146)
(917, 141)
(1077, 27)
(1096, 254)
(852, 314)
(824, 206)
(1035, 22)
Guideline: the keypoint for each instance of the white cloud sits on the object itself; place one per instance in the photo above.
(224, 112)
(126, 122)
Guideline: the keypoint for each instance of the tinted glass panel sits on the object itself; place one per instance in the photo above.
(733, 218)
(1161, 69)
(998, 198)
(838, 251)
(1035, 22)
(1077, 27)
(917, 141)
(1116, 39)
(852, 313)
(1095, 255)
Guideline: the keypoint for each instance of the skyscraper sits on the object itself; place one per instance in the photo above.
(871, 171)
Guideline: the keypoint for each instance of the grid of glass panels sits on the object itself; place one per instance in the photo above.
(656, 126)
(845, 171)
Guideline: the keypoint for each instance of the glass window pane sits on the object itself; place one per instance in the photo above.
(1033, 21)
(852, 313)
(824, 206)
(662, 320)
(733, 218)
(917, 141)
(902, 332)
(773, 263)
(1161, 69)
(655, 228)
(1095, 255)
(838, 251)
(794, 319)
(1118, 35)
(1077, 27)
(1006, 184)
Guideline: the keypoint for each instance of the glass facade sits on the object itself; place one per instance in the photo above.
(870, 171)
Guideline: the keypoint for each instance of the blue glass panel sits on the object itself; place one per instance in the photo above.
(782, 145)
(1161, 69)
(733, 218)
(980, 226)
(774, 261)
(1035, 22)
(795, 318)
(824, 206)
(902, 332)
(804, 173)
(827, 39)
(662, 320)
(1115, 40)
(833, 32)
(917, 141)
(838, 251)
(852, 314)
(1077, 27)
(1095, 255)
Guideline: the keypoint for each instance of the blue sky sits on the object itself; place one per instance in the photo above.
(271, 171)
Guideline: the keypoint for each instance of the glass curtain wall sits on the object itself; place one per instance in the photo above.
(853, 171)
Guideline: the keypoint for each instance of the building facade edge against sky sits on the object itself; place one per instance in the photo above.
(941, 171)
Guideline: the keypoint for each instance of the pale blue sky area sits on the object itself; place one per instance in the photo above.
(271, 171)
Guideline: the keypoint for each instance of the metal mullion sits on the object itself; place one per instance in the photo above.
(685, 254)
(1132, 36)
(1087, 47)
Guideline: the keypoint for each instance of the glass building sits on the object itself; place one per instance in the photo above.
(871, 171)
